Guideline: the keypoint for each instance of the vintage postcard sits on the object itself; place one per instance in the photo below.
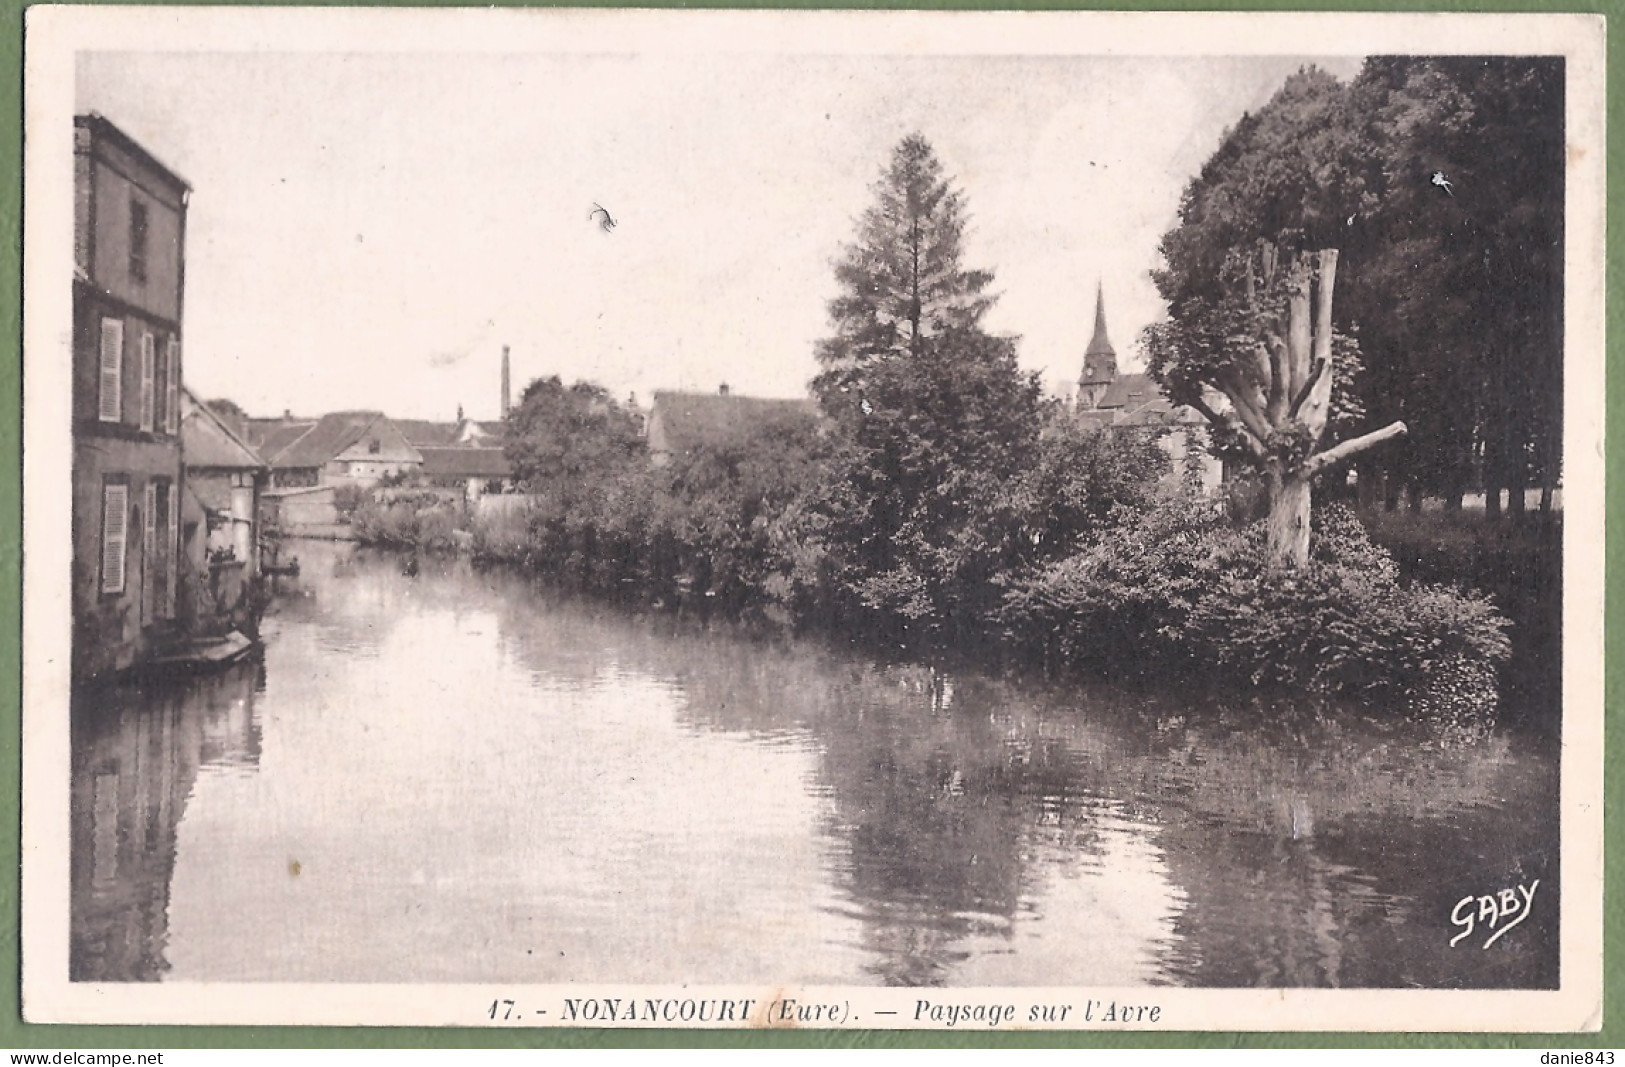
(813, 519)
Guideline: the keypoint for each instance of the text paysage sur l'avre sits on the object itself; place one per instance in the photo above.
(790, 1011)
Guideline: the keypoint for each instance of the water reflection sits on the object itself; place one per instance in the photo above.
(137, 755)
(451, 776)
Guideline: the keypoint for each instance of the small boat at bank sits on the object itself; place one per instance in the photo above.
(205, 653)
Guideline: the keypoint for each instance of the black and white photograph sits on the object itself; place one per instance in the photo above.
(813, 519)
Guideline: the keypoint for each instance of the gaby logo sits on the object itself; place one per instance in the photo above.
(1499, 911)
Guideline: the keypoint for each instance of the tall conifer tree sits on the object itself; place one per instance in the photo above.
(934, 410)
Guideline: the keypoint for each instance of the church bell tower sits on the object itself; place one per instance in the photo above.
(1099, 359)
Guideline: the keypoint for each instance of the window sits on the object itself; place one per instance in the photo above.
(148, 380)
(173, 386)
(138, 240)
(115, 528)
(110, 402)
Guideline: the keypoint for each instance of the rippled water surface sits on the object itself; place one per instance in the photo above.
(456, 776)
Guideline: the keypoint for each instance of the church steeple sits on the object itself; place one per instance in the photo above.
(1099, 359)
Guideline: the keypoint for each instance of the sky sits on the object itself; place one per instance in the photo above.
(368, 230)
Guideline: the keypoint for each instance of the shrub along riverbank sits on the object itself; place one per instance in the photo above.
(1096, 560)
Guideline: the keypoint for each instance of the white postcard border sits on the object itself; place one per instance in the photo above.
(55, 35)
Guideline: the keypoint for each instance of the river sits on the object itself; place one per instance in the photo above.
(457, 776)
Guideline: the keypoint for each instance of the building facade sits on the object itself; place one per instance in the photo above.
(129, 271)
(220, 521)
(472, 470)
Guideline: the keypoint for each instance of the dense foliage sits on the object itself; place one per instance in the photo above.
(560, 440)
(1180, 591)
(423, 519)
(1459, 291)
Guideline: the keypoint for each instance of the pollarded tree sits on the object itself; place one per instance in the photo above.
(1249, 276)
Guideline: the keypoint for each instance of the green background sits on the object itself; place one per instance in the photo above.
(14, 1033)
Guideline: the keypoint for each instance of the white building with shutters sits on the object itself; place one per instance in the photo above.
(129, 238)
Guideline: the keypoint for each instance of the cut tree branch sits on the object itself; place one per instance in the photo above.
(1320, 367)
(1300, 328)
(1326, 283)
(1278, 375)
(1246, 411)
(1251, 440)
(1333, 456)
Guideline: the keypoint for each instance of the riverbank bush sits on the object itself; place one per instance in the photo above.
(501, 536)
(1111, 567)
(1179, 591)
(423, 520)
(347, 498)
(1518, 563)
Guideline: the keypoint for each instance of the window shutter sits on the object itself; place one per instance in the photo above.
(172, 408)
(115, 525)
(110, 406)
(149, 357)
(172, 553)
(149, 550)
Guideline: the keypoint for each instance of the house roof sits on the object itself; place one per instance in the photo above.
(98, 124)
(1132, 391)
(1136, 400)
(684, 421)
(331, 435)
(206, 440)
(471, 429)
(465, 462)
(273, 436)
(425, 432)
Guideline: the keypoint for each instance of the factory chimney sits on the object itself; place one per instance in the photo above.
(505, 391)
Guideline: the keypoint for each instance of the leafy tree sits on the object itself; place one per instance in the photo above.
(566, 442)
(1249, 276)
(230, 413)
(227, 409)
(935, 413)
(1459, 290)
(1082, 480)
(733, 502)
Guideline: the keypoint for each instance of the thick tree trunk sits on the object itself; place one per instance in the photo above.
(1413, 497)
(1287, 527)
